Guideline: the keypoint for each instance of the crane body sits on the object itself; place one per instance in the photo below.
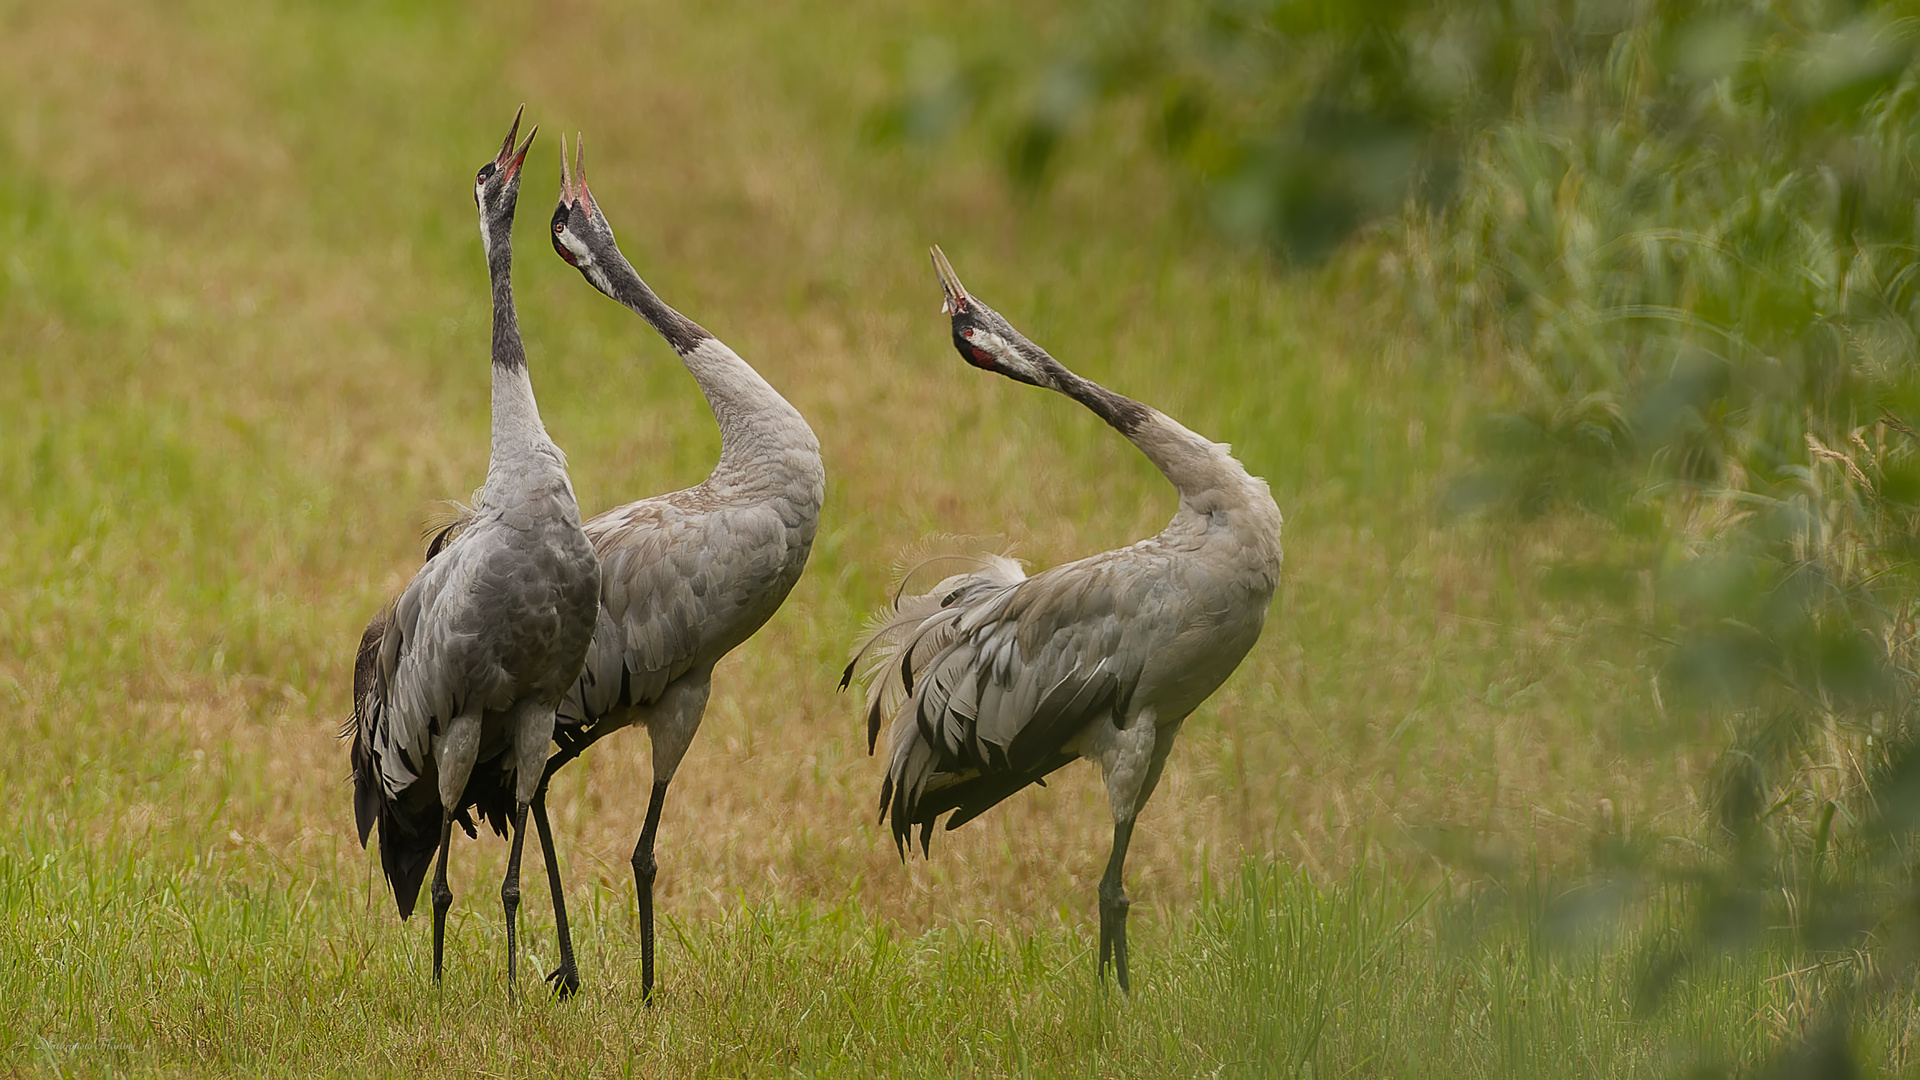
(458, 681)
(687, 576)
(992, 680)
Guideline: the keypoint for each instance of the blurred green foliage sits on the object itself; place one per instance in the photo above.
(1695, 261)
(1681, 238)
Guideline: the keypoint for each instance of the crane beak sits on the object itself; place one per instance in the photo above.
(508, 162)
(957, 298)
(579, 189)
(573, 181)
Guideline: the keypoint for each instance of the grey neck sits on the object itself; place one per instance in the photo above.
(520, 448)
(627, 287)
(1202, 471)
(508, 352)
(1122, 413)
(764, 441)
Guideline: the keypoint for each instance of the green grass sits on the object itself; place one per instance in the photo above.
(244, 316)
(234, 960)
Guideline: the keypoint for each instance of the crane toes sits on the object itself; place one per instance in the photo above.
(565, 980)
(1113, 952)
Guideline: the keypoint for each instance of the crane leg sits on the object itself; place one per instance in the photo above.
(644, 871)
(510, 888)
(1113, 907)
(566, 977)
(442, 896)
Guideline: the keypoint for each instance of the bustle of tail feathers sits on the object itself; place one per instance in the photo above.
(407, 846)
(366, 772)
(914, 627)
(442, 528)
(405, 858)
(902, 638)
(368, 794)
(406, 850)
(408, 841)
(445, 525)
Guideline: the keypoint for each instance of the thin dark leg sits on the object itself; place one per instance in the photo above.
(1113, 907)
(644, 871)
(510, 889)
(559, 759)
(566, 977)
(442, 896)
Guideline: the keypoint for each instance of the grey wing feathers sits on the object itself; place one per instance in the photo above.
(457, 637)
(990, 676)
(366, 778)
(678, 583)
(421, 661)
(642, 640)
(904, 637)
(409, 685)
(388, 754)
(367, 673)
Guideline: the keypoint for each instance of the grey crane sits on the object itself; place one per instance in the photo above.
(456, 684)
(993, 679)
(687, 576)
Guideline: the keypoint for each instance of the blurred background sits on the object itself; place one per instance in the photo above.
(1574, 337)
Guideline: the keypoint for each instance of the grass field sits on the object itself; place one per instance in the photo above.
(244, 317)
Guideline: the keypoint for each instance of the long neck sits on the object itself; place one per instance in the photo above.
(760, 433)
(517, 431)
(1203, 472)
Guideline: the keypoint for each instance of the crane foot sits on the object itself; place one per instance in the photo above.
(565, 980)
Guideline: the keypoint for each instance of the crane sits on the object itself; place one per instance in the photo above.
(687, 576)
(993, 680)
(457, 682)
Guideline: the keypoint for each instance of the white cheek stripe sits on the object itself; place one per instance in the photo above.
(577, 246)
(1004, 353)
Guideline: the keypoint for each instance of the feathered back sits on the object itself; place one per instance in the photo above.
(990, 677)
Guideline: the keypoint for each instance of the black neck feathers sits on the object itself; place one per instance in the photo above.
(508, 352)
(1122, 413)
(682, 333)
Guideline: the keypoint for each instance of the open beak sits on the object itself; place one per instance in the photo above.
(508, 162)
(957, 297)
(573, 184)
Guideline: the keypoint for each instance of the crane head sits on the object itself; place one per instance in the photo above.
(980, 335)
(496, 186)
(581, 234)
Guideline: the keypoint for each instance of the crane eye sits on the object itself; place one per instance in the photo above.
(559, 227)
(968, 333)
